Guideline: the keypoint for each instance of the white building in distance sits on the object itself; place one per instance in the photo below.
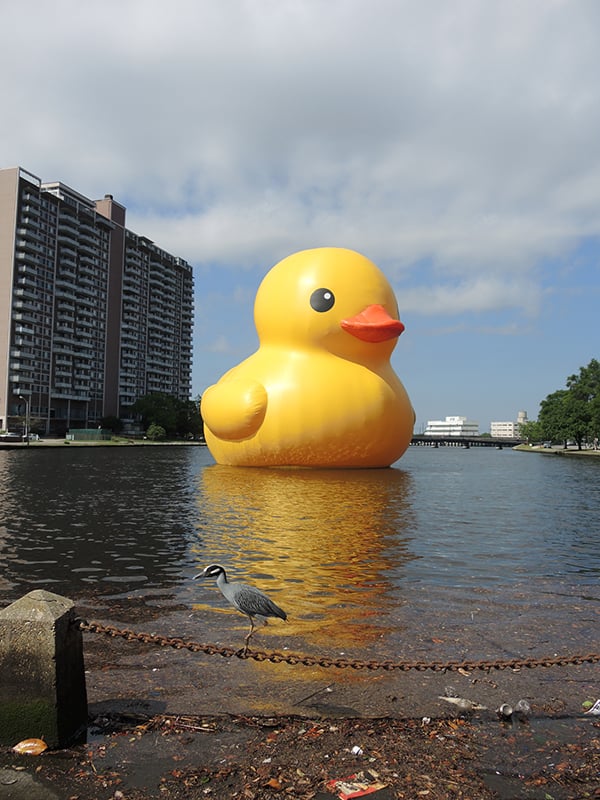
(508, 430)
(452, 426)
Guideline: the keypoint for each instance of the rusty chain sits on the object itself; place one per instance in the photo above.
(338, 663)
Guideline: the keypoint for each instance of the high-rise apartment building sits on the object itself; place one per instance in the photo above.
(92, 315)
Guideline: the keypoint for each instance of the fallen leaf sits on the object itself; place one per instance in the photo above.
(30, 747)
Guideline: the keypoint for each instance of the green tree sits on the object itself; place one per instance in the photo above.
(113, 424)
(156, 432)
(531, 431)
(198, 401)
(595, 419)
(571, 413)
(583, 405)
(157, 408)
(189, 422)
(553, 416)
(177, 417)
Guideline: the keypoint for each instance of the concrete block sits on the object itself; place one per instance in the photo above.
(42, 680)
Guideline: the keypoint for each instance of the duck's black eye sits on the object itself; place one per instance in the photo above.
(322, 299)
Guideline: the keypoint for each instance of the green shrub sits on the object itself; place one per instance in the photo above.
(156, 432)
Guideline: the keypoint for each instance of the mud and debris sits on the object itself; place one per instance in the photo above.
(181, 757)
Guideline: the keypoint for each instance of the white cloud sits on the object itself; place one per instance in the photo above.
(479, 295)
(462, 133)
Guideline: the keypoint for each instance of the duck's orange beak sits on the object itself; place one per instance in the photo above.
(374, 324)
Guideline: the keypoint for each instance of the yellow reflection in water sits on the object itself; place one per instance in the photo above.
(321, 543)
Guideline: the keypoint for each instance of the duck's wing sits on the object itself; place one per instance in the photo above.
(234, 408)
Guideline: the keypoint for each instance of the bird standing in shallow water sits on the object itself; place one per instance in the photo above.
(247, 599)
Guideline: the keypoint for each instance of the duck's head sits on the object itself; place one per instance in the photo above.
(331, 298)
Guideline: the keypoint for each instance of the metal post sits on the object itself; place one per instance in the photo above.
(26, 401)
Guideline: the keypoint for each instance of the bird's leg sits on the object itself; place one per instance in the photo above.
(247, 639)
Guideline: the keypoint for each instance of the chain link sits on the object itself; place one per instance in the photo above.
(337, 663)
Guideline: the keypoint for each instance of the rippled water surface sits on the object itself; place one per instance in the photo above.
(344, 550)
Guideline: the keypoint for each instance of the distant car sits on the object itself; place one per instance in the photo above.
(548, 445)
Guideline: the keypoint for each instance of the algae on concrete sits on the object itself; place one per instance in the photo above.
(42, 681)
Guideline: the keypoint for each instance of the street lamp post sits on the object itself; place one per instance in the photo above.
(26, 401)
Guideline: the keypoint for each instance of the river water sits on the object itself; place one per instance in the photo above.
(377, 560)
(451, 554)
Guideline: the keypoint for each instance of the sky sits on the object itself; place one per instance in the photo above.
(456, 145)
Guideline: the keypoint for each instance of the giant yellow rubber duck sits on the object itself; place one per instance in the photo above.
(320, 390)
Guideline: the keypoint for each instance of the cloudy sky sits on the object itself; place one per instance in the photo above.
(456, 144)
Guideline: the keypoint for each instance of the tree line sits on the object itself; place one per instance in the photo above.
(571, 414)
(164, 417)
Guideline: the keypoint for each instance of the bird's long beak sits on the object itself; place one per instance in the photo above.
(199, 575)
(374, 324)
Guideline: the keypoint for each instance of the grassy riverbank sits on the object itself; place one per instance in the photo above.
(558, 450)
(114, 442)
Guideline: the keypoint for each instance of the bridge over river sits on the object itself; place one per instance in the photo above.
(464, 441)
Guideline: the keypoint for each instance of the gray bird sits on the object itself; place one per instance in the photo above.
(247, 599)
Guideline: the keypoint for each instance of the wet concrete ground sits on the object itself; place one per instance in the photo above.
(180, 682)
(177, 724)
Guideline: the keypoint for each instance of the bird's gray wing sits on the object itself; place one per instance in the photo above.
(254, 602)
